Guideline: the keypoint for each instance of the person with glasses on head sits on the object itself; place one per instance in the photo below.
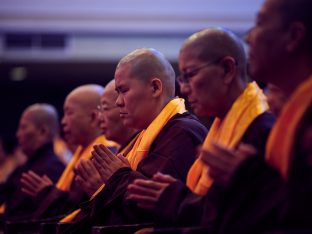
(213, 77)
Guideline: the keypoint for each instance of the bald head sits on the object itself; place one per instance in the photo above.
(38, 125)
(87, 96)
(110, 91)
(215, 43)
(80, 122)
(44, 114)
(147, 63)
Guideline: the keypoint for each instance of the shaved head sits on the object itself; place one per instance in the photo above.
(147, 63)
(44, 114)
(80, 123)
(87, 96)
(215, 43)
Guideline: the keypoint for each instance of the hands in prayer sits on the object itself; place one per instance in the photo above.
(147, 192)
(88, 177)
(32, 183)
(223, 162)
(106, 162)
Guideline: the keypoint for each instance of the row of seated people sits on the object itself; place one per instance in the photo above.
(231, 187)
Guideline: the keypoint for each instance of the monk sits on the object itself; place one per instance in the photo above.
(145, 82)
(213, 76)
(81, 128)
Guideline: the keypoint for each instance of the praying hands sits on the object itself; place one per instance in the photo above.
(88, 177)
(224, 162)
(106, 162)
(147, 192)
(32, 183)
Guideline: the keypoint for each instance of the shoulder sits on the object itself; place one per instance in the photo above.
(186, 122)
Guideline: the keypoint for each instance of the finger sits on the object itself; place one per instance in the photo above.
(47, 179)
(123, 159)
(246, 150)
(84, 169)
(27, 185)
(104, 162)
(141, 190)
(107, 151)
(35, 176)
(29, 192)
(28, 180)
(149, 184)
(211, 160)
(141, 198)
(103, 152)
(159, 177)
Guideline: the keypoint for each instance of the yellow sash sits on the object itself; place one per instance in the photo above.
(279, 150)
(138, 148)
(68, 175)
(228, 132)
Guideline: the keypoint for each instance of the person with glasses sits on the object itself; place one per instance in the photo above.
(81, 127)
(167, 142)
(113, 129)
(213, 77)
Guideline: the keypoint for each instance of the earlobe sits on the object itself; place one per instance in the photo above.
(297, 34)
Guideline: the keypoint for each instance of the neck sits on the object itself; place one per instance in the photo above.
(291, 78)
(158, 107)
(127, 134)
(234, 92)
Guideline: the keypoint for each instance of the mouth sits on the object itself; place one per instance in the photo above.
(123, 114)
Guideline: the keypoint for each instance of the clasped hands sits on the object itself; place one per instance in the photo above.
(222, 163)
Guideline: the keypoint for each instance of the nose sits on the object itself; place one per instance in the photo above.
(119, 101)
(185, 89)
(247, 37)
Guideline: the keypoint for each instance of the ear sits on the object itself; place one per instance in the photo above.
(297, 34)
(44, 131)
(156, 86)
(229, 68)
(95, 118)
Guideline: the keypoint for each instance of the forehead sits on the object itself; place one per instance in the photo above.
(109, 96)
(270, 8)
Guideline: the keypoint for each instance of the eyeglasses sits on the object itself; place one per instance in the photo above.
(104, 108)
(185, 77)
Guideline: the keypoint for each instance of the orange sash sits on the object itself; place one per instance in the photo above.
(139, 147)
(228, 132)
(68, 175)
(279, 150)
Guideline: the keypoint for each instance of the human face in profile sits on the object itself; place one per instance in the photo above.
(135, 98)
(205, 89)
(267, 43)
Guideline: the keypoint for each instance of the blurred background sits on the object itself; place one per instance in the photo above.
(48, 47)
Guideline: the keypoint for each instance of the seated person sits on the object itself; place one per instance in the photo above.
(271, 195)
(113, 129)
(81, 128)
(37, 128)
(213, 66)
(145, 82)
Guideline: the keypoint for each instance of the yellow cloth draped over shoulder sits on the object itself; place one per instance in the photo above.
(228, 133)
(68, 175)
(280, 146)
(139, 147)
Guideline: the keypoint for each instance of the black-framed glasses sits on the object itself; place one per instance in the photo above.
(185, 77)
